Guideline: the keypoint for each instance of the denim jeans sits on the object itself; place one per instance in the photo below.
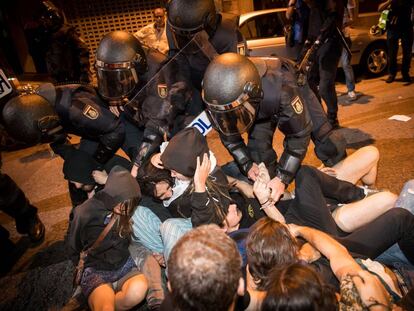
(348, 71)
(146, 229)
(171, 231)
(406, 201)
(157, 236)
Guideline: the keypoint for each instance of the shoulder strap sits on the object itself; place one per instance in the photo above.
(103, 233)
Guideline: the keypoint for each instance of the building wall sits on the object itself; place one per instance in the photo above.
(94, 19)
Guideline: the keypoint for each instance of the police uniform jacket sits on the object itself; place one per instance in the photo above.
(223, 39)
(82, 112)
(282, 107)
(161, 96)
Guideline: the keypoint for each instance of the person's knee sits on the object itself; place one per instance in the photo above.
(135, 290)
(372, 153)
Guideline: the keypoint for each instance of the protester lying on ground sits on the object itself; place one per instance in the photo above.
(351, 209)
(109, 261)
(272, 246)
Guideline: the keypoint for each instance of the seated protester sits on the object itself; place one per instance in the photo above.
(299, 287)
(190, 203)
(204, 272)
(310, 208)
(142, 257)
(363, 283)
(271, 246)
(155, 182)
(110, 260)
(313, 188)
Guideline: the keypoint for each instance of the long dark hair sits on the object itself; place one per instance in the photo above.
(127, 208)
(218, 193)
(149, 175)
(298, 288)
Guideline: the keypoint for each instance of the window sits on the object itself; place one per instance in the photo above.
(264, 26)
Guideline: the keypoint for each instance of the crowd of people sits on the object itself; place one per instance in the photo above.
(169, 225)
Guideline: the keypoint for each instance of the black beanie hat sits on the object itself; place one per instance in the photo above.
(121, 186)
(78, 167)
(182, 151)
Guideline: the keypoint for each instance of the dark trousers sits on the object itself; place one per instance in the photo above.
(323, 74)
(406, 36)
(15, 204)
(309, 208)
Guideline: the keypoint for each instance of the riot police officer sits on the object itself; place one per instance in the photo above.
(257, 95)
(148, 96)
(69, 109)
(12, 199)
(196, 33)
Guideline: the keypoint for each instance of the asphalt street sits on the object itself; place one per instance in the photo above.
(39, 173)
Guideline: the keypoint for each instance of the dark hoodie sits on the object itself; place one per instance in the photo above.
(91, 218)
(181, 155)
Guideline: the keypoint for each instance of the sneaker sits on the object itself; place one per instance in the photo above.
(352, 95)
(369, 191)
(390, 79)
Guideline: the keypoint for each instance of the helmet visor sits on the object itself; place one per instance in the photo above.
(116, 84)
(234, 121)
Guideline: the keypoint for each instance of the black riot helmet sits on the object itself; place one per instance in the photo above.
(32, 119)
(120, 60)
(188, 17)
(232, 91)
(51, 17)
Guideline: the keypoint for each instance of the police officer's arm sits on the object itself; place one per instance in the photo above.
(154, 135)
(296, 125)
(238, 149)
(110, 142)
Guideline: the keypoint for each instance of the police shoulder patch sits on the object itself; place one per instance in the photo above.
(297, 105)
(90, 112)
(162, 90)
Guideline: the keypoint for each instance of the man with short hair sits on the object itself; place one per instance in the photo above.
(204, 271)
(153, 35)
